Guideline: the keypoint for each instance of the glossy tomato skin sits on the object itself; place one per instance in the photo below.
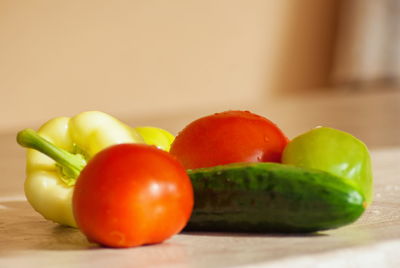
(228, 137)
(130, 195)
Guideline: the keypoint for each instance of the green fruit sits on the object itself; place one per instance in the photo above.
(333, 151)
(271, 197)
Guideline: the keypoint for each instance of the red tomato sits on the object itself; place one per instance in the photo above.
(228, 137)
(130, 195)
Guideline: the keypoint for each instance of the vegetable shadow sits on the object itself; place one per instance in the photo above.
(21, 228)
(257, 234)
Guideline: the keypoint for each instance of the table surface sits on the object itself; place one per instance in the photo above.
(373, 241)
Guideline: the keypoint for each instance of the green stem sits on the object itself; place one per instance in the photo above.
(71, 164)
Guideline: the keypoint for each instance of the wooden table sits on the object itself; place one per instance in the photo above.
(27, 240)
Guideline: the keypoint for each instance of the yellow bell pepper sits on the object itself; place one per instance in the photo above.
(156, 136)
(49, 181)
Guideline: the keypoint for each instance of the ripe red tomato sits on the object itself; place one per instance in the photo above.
(228, 137)
(130, 195)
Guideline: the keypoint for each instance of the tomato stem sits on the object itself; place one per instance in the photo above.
(71, 164)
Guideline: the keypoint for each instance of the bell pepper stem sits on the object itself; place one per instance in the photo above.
(71, 164)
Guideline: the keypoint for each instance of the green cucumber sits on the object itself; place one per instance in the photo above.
(271, 197)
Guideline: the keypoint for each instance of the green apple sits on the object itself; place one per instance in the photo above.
(333, 151)
(158, 137)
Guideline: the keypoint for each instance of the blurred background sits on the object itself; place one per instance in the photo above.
(165, 63)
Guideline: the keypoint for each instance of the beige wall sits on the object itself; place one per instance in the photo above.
(149, 57)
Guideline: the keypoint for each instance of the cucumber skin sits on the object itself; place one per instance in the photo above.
(271, 197)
